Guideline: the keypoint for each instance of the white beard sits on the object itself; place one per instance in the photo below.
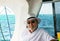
(31, 29)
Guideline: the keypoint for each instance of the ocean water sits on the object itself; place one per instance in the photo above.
(4, 27)
(47, 23)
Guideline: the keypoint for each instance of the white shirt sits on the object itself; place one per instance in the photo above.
(37, 35)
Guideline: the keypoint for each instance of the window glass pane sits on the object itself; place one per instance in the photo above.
(7, 19)
(57, 10)
(46, 16)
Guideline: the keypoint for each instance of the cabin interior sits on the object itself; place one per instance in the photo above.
(13, 14)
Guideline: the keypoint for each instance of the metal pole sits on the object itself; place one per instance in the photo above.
(8, 21)
(39, 9)
(2, 32)
(54, 17)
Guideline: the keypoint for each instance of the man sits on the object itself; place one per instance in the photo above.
(33, 33)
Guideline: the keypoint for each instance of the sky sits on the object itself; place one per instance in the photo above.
(47, 8)
(8, 10)
(57, 6)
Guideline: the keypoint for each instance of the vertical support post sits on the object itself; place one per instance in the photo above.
(54, 19)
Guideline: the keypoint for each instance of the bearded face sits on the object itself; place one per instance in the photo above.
(32, 24)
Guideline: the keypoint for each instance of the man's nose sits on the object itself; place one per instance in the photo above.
(31, 24)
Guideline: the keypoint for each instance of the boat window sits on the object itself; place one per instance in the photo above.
(7, 21)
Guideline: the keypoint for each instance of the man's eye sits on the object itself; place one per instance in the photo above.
(28, 22)
(33, 21)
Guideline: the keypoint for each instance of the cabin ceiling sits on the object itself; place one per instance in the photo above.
(34, 5)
